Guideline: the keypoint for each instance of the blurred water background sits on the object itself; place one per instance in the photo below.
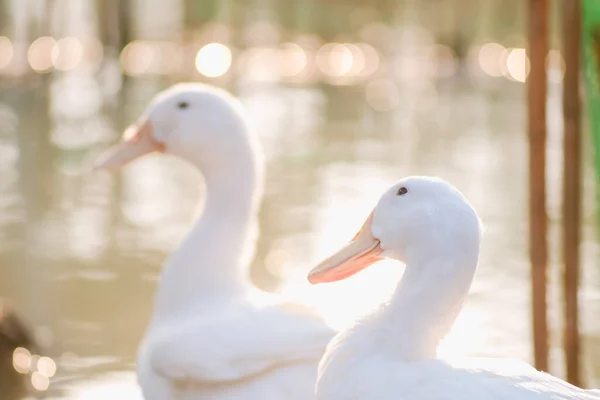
(346, 96)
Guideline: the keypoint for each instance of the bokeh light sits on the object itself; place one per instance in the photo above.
(259, 64)
(213, 60)
(358, 62)
(22, 360)
(144, 57)
(335, 59)
(6, 51)
(137, 57)
(46, 366)
(292, 59)
(518, 65)
(40, 54)
(491, 59)
(67, 54)
(39, 381)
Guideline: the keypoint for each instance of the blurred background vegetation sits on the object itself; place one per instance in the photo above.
(346, 96)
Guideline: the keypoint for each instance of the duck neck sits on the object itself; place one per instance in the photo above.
(425, 305)
(212, 261)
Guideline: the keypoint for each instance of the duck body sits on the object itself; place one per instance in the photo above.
(392, 354)
(212, 334)
(236, 361)
(368, 371)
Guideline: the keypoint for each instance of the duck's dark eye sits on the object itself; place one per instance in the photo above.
(183, 105)
(401, 191)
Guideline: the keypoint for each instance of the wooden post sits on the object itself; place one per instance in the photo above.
(538, 246)
(571, 25)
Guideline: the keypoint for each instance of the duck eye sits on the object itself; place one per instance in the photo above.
(402, 191)
(183, 105)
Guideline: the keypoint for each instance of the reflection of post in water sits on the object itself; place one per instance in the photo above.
(114, 17)
(237, 22)
(115, 33)
(197, 13)
(36, 179)
(455, 36)
(4, 20)
(290, 15)
(114, 30)
(229, 13)
(35, 151)
(343, 102)
(232, 13)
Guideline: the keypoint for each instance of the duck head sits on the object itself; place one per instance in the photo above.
(415, 219)
(199, 123)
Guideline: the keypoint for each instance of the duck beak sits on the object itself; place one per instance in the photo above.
(357, 255)
(137, 141)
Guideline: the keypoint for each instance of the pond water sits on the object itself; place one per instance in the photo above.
(80, 251)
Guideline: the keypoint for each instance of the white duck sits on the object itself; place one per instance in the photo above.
(207, 339)
(391, 355)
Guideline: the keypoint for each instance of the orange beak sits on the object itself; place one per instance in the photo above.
(357, 255)
(136, 142)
